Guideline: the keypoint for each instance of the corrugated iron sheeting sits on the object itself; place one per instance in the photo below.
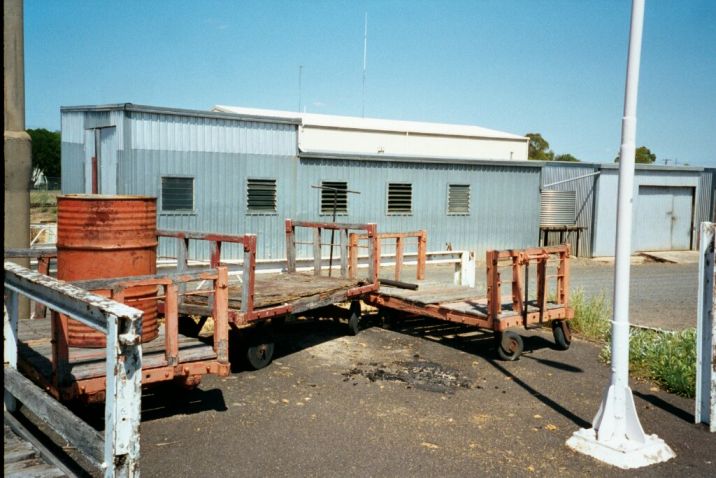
(504, 201)
(585, 190)
(705, 201)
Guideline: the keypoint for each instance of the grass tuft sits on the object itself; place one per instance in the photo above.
(667, 358)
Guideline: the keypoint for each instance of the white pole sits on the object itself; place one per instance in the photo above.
(365, 61)
(617, 436)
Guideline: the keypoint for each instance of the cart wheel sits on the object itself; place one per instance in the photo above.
(562, 334)
(354, 320)
(387, 318)
(259, 355)
(509, 345)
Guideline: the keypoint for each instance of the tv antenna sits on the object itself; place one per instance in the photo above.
(365, 60)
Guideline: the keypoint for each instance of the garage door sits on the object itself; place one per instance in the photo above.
(663, 218)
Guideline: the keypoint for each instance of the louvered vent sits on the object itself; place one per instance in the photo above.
(177, 194)
(459, 199)
(400, 198)
(261, 196)
(334, 193)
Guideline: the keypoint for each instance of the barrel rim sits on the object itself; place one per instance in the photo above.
(107, 197)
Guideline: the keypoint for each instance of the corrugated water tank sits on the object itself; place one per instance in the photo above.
(559, 208)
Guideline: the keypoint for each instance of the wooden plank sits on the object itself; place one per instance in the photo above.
(317, 251)
(19, 434)
(85, 438)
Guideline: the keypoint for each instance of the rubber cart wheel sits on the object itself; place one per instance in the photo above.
(354, 319)
(259, 355)
(509, 345)
(562, 334)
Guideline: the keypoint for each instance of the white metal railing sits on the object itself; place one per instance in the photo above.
(706, 331)
(117, 452)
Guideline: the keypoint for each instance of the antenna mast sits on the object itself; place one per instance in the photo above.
(365, 57)
(300, 75)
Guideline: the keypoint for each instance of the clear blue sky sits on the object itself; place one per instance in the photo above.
(554, 67)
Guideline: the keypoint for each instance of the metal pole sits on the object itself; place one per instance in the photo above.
(617, 436)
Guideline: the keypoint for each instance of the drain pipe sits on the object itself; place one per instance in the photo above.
(616, 436)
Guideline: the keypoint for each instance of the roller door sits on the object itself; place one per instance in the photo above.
(663, 218)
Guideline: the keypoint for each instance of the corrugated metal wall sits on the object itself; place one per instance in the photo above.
(504, 200)
(78, 144)
(220, 155)
(585, 189)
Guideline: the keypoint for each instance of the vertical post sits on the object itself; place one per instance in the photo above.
(215, 253)
(517, 304)
(290, 246)
(249, 274)
(398, 257)
(10, 340)
(221, 315)
(182, 260)
(43, 267)
(494, 305)
(616, 435)
(317, 251)
(422, 254)
(353, 255)
(564, 293)
(373, 253)
(705, 409)
(123, 396)
(541, 286)
(60, 350)
(171, 325)
(343, 239)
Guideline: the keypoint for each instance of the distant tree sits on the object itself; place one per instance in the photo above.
(642, 155)
(566, 157)
(538, 148)
(45, 153)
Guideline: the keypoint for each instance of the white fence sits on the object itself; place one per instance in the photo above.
(706, 331)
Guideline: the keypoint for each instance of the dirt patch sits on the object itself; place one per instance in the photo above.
(421, 374)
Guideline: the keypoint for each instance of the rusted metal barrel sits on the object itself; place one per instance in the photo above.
(100, 237)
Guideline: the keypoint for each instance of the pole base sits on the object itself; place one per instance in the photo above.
(623, 453)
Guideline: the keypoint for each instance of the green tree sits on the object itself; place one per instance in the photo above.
(45, 153)
(642, 155)
(538, 148)
(566, 157)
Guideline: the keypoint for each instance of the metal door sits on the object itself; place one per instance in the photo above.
(664, 218)
(100, 160)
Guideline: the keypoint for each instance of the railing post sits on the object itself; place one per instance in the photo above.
(171, 324)
(398, 257)
(221, 315)
(344, 252)
(517, 296)
(182, 260)
(10, 340)
(43, 267)
(353, 255)
(373, 253)
(290, 246)
(60, 350)
(422, 253)
(123, 397)
(215, 253)
(317, 251)
(494, 305)
(249, 274)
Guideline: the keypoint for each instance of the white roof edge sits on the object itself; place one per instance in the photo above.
(376, 124)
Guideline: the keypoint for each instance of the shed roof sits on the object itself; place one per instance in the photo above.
(376, 124)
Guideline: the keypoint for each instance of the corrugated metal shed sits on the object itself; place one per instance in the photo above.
(585, 189)
(647, 177)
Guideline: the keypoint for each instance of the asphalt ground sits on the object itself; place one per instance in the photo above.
(426, 398)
